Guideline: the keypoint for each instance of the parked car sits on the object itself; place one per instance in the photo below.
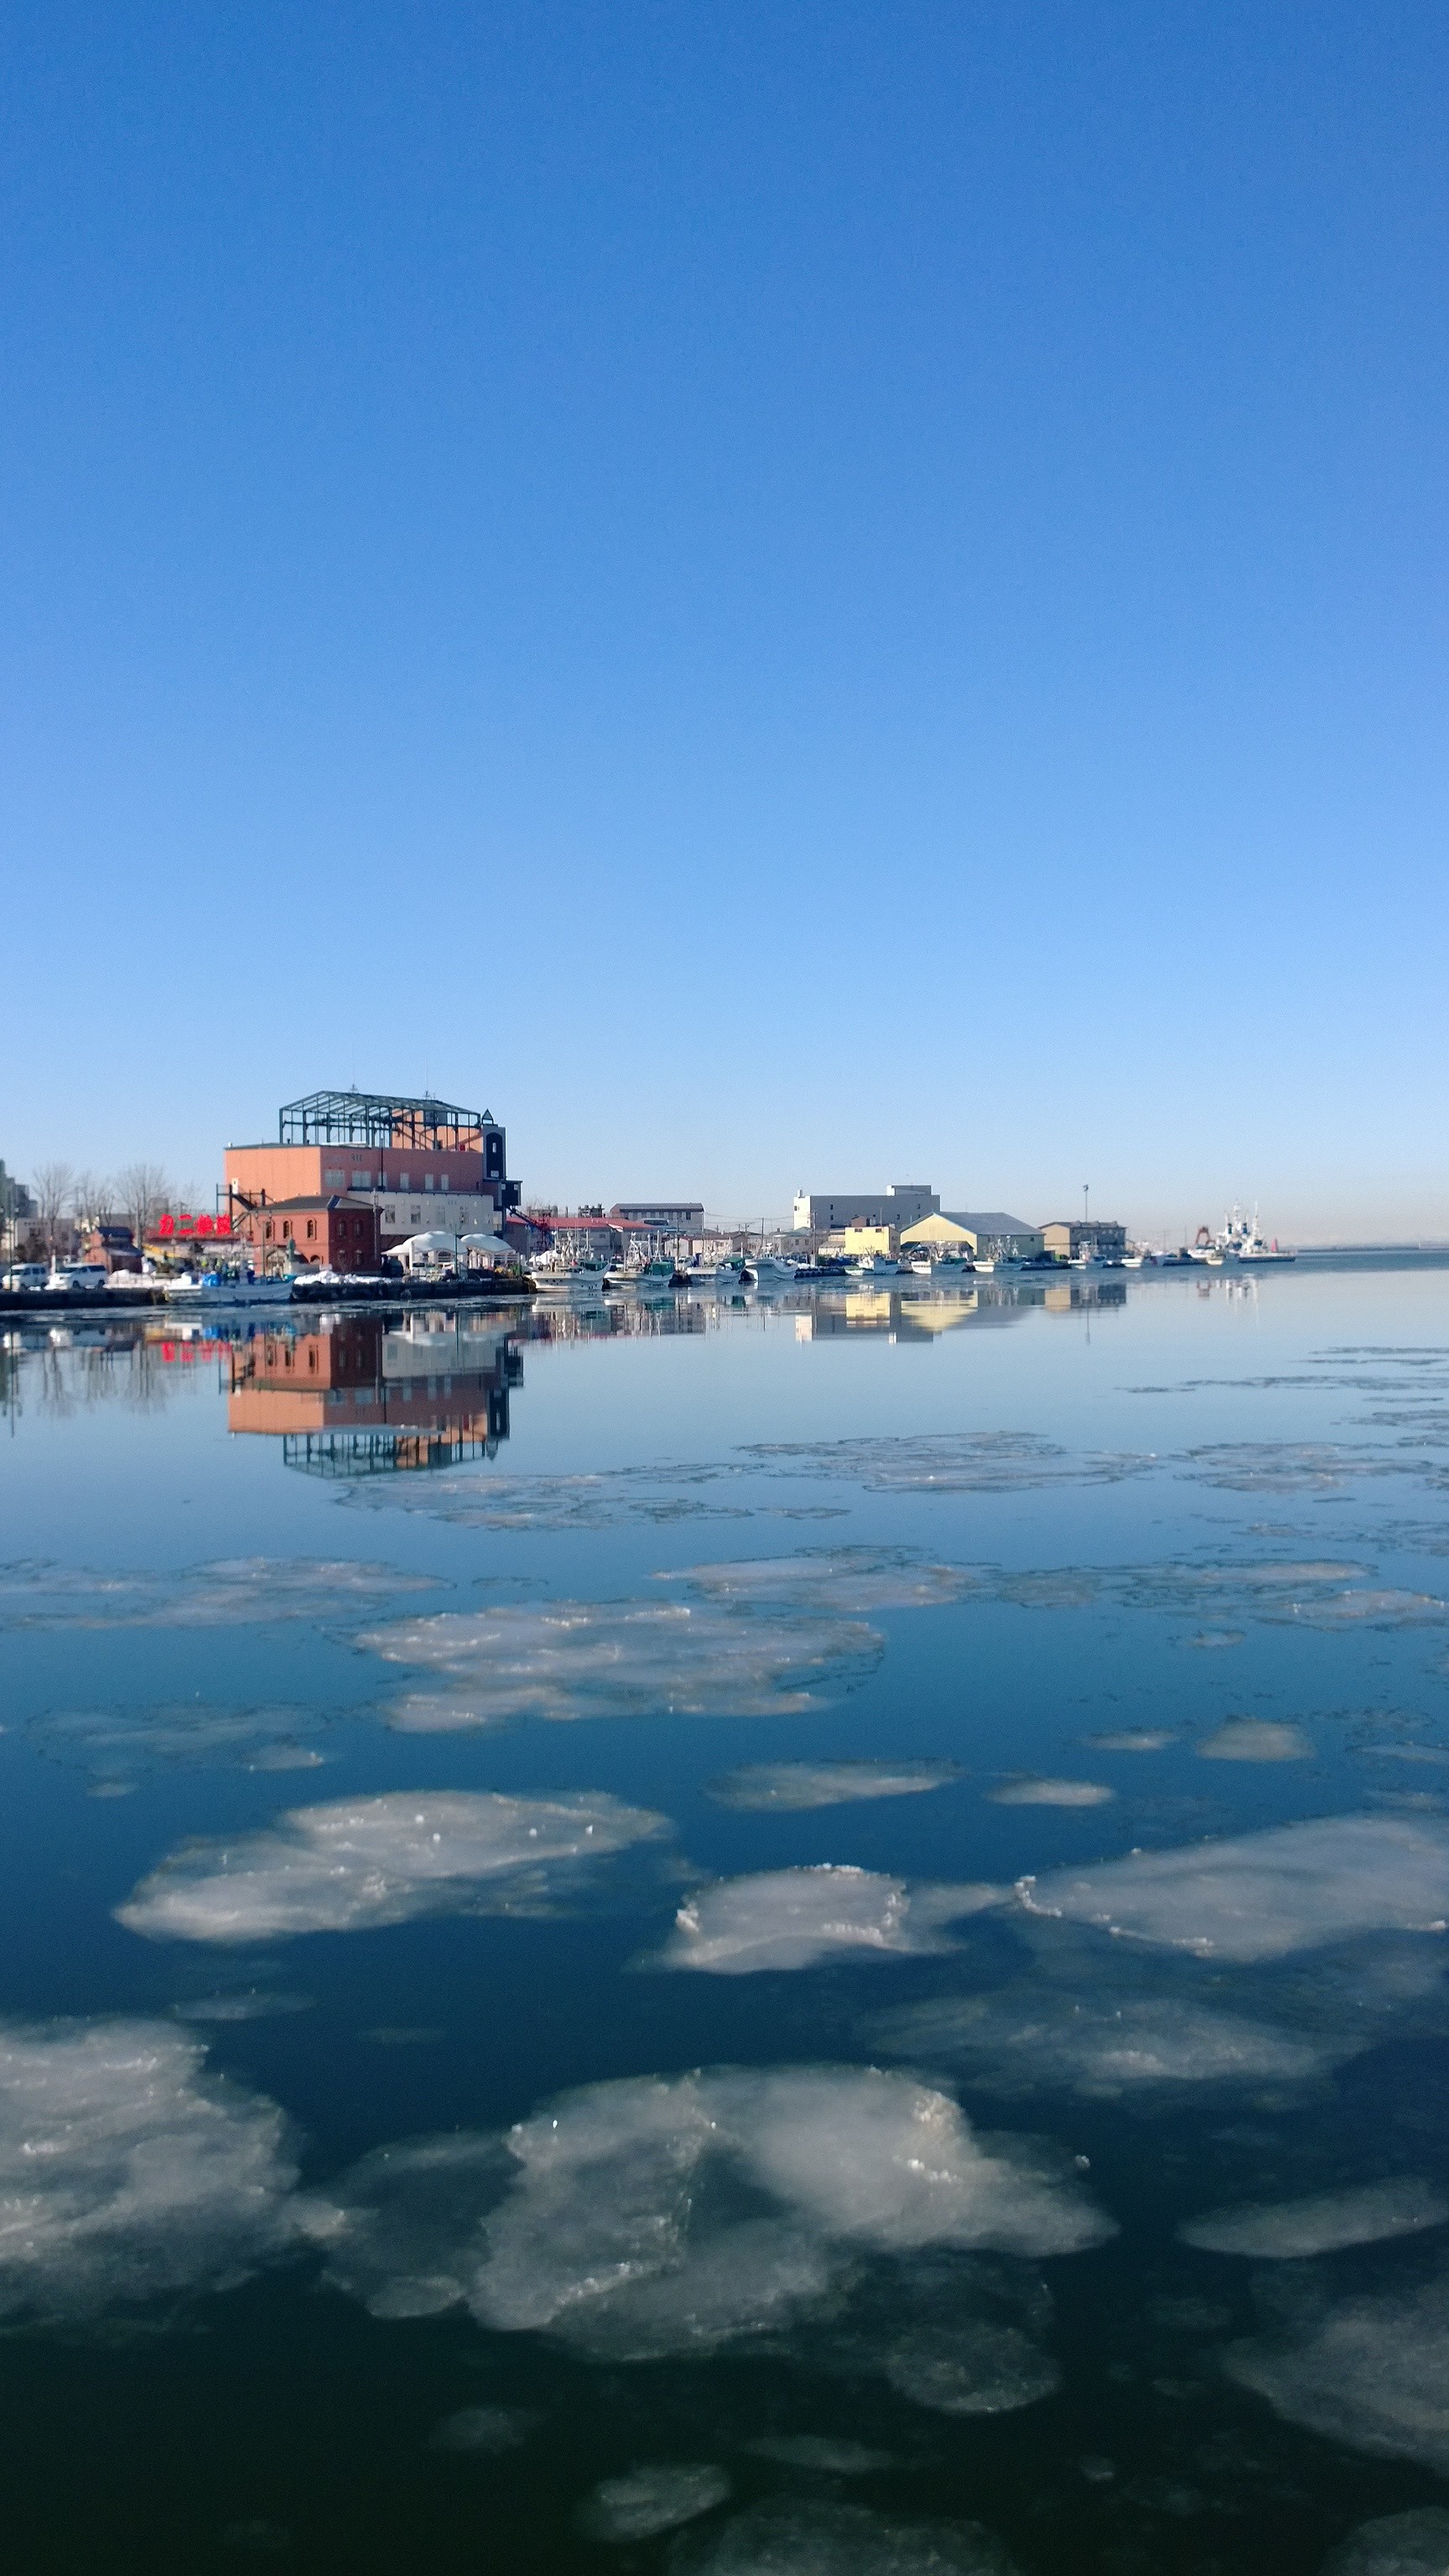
(27, 1274)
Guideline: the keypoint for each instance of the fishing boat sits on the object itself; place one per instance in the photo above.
(212, 1288)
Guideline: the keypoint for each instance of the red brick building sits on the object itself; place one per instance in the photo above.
(422, 1166)
(339, 1233)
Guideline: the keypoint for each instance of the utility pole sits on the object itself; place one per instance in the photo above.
(1086, 1195)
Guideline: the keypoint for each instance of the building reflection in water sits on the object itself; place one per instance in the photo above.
(355, 1396)
(921, 1315)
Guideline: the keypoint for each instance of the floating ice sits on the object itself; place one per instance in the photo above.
(114, 1742)
(127, 2173)
(1133, 1739)
(255, 2004)
(790, 1918)
(950, 1462)
(657, 2497)
(565, 1659)
(1262, 1895)
(972, 2369)
(1039, 2038)
(791, 1787)
(1291, 1466)
(656, 2215)
(230, 1592)
(600, 1500)
(412, 2231)
(1029, 1791)
(1256, 1739)
(1384, 1609)
(853, 1580)
(792, 2537)
(365, 1861)
(1371, 2371)
(1286, 2231)
(1396, 2544)
(819, 2452)
(484, 2431)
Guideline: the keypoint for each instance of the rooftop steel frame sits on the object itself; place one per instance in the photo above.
(382, 1118)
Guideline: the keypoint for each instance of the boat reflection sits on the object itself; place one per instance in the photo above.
(353, 1396)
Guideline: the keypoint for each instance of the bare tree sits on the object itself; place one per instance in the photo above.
(51, 1189)
(91, 1198)
(142, 1191)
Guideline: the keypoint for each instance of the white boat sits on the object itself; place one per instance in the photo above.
(209, 1288)
(1239, 1240)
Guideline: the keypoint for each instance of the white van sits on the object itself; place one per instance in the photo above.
(78, 1274)
(27, 1274)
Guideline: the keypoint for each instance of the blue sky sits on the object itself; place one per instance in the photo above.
(782, 595)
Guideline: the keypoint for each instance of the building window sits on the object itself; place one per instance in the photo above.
(267, 1230)
(286, 1228)
(311, 1229)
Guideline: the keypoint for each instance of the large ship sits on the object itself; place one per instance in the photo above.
(1240, 1241)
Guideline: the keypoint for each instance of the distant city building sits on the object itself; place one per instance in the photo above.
(826, 1212)
(1073, 1238)
(418, 1163)
(658, 1216)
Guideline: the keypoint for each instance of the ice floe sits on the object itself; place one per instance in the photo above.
(229, 1592)
(856, 1581)
(792, 1787)
(484, 2432)
(1133, 1739)
(568, 1659)
(821, 2453)
(1260, 1896)
(1256, 1739)
(1029, 1790)
(657, 2497)
(1369, 1609)
(119, 1743)
(655, 2215)
(792, 1918)
(1394, 2544)
(363, 1861)
(1034, 2037)
(797, 2537)
(127, 2173)
(1370, 2370)
(950, 1462)
(1288, 2230)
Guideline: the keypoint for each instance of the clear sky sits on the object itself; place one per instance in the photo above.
(783, 595)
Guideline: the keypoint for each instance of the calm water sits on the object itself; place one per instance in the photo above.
(780, 1936)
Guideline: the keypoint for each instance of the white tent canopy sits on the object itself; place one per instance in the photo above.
(431, 1251)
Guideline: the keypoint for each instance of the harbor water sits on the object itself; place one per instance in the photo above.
(743, 1933)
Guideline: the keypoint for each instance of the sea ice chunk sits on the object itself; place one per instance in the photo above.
(365, 1861)
(229, 1592)
(791, 1918)
(484, 2431)
(1395, 2544)
(657, 2497)
(1037, 2037)
(655, 2215)
(792, 1787)
(1028, 1791)
(1286, 2231)
(855, 1581)
(129, 2173)
(1256, 1739)
(1371, 2371)
(569, 1659)
(1259, 1896)
(795, 2537)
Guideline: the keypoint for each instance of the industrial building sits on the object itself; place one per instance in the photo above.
(404, 1164)
(1077, 1239)
(827, 1211)
(986, 1234)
